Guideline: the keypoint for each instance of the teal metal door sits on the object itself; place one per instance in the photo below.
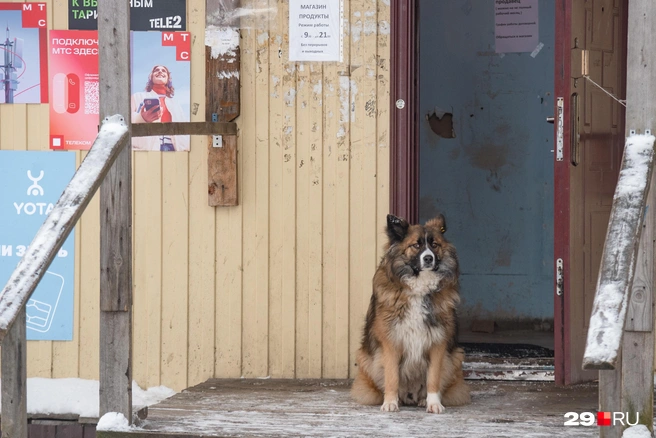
(486, 157)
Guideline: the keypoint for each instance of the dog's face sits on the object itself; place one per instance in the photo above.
(417, 248)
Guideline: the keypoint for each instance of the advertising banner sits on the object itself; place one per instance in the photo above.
(74, 82)
(23, 53)
(144, 14)
(32, 182)
(161, 86)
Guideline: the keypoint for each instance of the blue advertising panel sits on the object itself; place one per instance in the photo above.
(32, 182)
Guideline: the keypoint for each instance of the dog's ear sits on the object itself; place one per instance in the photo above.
(397, 228)
(438, 222)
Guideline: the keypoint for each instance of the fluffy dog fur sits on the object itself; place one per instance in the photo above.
(409, 353)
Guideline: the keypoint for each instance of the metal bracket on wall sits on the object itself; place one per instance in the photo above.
(560, 103)
(560, 278)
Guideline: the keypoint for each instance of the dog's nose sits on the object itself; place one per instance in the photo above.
(428, 259)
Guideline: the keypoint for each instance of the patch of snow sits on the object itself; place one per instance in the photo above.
(639, 431)
(114, 421)
(80, 396)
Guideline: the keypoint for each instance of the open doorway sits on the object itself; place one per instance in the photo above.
(486, 154)
(469, 137)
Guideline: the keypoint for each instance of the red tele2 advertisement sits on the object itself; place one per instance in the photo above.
(74, 112)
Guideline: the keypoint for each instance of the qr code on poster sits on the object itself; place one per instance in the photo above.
(91, 97)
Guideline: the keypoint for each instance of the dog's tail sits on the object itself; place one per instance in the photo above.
(457, 393)
(364, 390)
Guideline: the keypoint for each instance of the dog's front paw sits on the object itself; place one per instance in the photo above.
(390, 406)
(435, 408)
(434, 403)
(422, 403)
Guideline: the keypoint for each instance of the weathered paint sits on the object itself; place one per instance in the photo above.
(279, 284)
(494, 180)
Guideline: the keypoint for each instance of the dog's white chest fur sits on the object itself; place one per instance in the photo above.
(413, 333)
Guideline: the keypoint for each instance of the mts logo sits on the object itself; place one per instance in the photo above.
(602, 419)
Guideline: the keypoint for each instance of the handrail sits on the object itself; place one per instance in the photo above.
(113, 136)
(618, 261)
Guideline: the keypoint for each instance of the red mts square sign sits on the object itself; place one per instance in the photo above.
(182, 43)
(34, 15)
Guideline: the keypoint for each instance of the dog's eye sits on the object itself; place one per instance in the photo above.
(434, 245)
(416, 245)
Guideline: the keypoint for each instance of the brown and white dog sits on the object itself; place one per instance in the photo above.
(409, 352)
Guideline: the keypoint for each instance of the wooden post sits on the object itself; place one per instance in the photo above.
(116, 217)
(637, 370)
(222, 98)
(14, 380)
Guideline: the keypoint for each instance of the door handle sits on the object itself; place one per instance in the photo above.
(550, 120)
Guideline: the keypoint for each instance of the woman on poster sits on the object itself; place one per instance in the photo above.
(157, 105)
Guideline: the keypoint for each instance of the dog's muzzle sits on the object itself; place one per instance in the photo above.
(428, 260)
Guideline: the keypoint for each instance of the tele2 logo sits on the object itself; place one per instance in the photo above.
(602, 419)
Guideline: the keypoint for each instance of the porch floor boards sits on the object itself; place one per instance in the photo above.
(283, 408)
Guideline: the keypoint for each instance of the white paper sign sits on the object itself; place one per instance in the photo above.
(315, 30)
(516, 25)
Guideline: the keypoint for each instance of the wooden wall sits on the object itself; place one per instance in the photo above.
(277, 286)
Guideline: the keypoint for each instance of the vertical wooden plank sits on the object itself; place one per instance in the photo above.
(222, 97)
(202, 268)
(330, 236)
(638, 344)
(370, 106)
(288, 183)
(382, 124)
(14, 380)
(148, 267)
(610, 397)
(277, 215)
(256, 223)
(358, 156)
(175, 269)
(337, 118)
(116, 218)
(303, 243)
(229, 254)
(59, 10)
(309, 220)
(282, 193)
(88, 230)
(345, 93)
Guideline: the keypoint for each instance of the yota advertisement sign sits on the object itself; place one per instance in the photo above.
(32, 182)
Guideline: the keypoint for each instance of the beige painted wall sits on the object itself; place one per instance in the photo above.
(277, 286)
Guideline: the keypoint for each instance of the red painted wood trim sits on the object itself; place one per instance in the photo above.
(404, 131)
(561, 192)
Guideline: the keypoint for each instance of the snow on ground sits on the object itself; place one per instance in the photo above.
(80, 396)
(113, 421)
(639, 431)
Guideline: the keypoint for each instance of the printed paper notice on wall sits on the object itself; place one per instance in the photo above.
(516, 25)
(23, 53)
(74, 89)
(315, 30)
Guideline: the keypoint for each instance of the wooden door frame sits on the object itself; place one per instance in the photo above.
(404, 145)
(562, 88)
(404, 129)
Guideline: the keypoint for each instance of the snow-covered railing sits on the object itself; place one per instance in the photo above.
(111, 139)
(620, 253)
